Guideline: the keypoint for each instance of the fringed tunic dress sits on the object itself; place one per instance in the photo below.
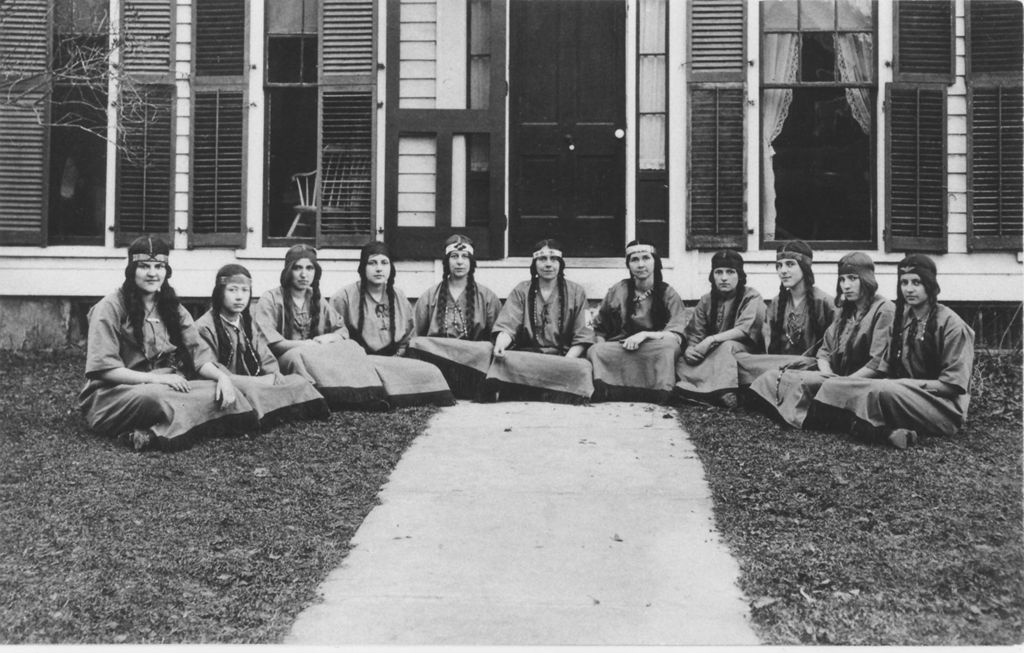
(407, 382)
(175, 418)
(535, 366)
(644, 374)
(900, 401)
(456, 342)
(341, 371)
(717, 374)
(798, 346)
(861, 341)
(275, 397)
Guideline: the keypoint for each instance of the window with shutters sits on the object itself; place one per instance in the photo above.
(145, 165)
(219, 124)
(321, 108)
(818, 90)
(717, 72)
(995, 125)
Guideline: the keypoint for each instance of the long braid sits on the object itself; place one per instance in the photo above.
(532, 302)
(442, 300)
(896, 369)
(848, 349)
(713, 313)
(785, 297)
(289, 316)
(133, 306)
(358, 335)
(811, 312)
(741, 290)
(391, 308)
(314, 308)
(627, 322)
(167, 306)
(659, 309)
(563, 308)
(470, 301)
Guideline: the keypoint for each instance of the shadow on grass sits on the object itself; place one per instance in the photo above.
(225, 542)
(843, 543)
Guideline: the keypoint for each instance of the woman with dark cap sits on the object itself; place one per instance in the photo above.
(380, 319)
(796, 318)
(638, 330)
(852, 344)
(454, 320)
(541, 335)
(309, 338)
(727, 320)
(928, 364)
(145, 360)
(242, 351)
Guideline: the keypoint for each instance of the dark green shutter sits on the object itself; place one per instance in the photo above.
(916, 158)
(995, 122)
(145, 168)
(220, 38)
(924, 49)
(717, 71)
(148, 36)
(24, 51)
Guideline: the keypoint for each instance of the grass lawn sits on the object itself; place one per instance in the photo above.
(842, 543)
(226, 542)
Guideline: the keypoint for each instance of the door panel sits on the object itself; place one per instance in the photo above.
(567, 167)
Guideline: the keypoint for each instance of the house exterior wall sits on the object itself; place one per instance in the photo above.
(431, 76)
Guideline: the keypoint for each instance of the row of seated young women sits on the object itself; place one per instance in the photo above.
(860, 363)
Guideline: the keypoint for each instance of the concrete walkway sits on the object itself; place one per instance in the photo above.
(533, 523)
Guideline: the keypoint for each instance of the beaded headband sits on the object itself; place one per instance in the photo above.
(234, 278)
(796, 256)
(159, 258)
(640, 249)
(458, 247)
(547, 251)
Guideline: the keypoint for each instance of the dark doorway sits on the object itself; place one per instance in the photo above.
(567, 122)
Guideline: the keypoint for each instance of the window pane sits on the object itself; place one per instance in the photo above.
(292, 16)
(479, 82)
(818, 57)
(779, 14)
(291, 59)
(78, 155)
(652, 19)
(78, 16)
(854, 14)
(417, 181)
(291, 150)
(479, 54)
(817, 15)
(652, 84)
(652, 142)
(478, 180)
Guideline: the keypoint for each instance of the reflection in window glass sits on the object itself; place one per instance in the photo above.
(479, 54)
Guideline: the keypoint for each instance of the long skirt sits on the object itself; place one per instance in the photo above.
(280, 398)
(750, 366)
(644, 374)
(716, 374)
(789, 394)
(895, 403)
(409, 382)
(463, 363)
(341, 371)
(545, 377)
(177, 419)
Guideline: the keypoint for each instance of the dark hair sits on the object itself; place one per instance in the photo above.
(726, 258)
(294, 255)
(931, 354)
(167, 307)
(442, 294)
(535, 288)
(847, 311)
(373, 248)
(224, 351)
(659, 310)
(785, 299)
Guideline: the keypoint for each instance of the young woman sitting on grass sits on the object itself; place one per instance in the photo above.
(242, 351)
(152, 381)
(727, 320)
(796, 318)
(380, 319)
(853, 342)
(309, 338)
(541, 336)
(454, 321)
(928, 364)
(638, 330)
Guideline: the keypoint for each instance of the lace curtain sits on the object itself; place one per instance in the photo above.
(854, 61)
(781, 53)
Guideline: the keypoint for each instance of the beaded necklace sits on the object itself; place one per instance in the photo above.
(459, 321)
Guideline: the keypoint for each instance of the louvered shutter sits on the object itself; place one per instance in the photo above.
(147, 29)
(924, 48)
(217, 217)
(24, 51)
(347, 114)
(717, 71)
(995, 122)
(915, 128)
(145, 168)
(916, 158)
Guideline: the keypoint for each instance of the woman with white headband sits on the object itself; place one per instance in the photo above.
(638, 331)
(454, 320)
(541, 335)
(152, 381)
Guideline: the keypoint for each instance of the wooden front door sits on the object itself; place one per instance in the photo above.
(567, 121)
